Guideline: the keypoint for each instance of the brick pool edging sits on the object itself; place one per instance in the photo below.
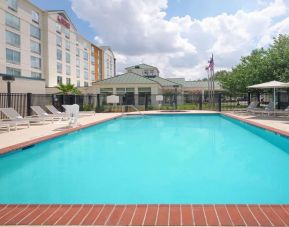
(146, 215)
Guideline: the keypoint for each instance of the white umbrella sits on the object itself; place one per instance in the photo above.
(272, 84)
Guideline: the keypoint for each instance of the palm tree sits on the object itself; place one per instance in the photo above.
(68, 89)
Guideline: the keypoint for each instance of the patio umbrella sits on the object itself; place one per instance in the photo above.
(272, 84)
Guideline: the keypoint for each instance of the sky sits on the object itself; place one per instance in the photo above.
(177, 36)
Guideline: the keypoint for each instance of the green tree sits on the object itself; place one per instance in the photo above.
(68, 89)
(262, 65)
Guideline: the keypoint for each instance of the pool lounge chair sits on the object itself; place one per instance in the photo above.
(14, 117)
(269, 109)
(41, 113)
(55, 111)
(252, 106)
(282, 112)
(7, 125)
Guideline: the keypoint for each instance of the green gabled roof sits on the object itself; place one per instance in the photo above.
(127, 78)
(142, 66)
(181, 81)
(201, 84)
(164, 82)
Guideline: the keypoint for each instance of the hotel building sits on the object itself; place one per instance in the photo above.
(44, 49)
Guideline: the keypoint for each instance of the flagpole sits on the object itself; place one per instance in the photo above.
(209, 90)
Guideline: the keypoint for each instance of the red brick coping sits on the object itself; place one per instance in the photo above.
(146, 215)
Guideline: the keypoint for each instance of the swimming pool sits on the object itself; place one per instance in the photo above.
(166, 159)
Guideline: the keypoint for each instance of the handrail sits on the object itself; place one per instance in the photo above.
(134, 107)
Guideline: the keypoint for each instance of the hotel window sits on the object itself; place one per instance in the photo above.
(67, 45)
(92, 60)
(35, 62)
(35, 32)
(85, 55)
(13, 72)
(67, 57)
(77, 52)
(59, 55)
(77, 62)
(12, 39)
(85, 75)
(78, 83)
(58, 28)
(12, 21)
(68, 70)
(59, 80)
(77, 73)
(35, 16)
(12, 4)
(85, 65)
(36, 75)
(68, 81)
(58, 41)
(85, 84)
(59, 67)
(12, 56)
(35, 47)
(66, 33)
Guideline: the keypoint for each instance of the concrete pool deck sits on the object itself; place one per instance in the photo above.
(137, 215)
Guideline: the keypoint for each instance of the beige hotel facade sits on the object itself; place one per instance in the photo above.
(43, 49)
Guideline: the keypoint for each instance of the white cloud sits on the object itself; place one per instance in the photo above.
(138, 31)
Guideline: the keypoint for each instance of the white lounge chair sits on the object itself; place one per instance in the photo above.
(15, 117)
(269, 109)
(41, 113)
(55, 111)
(252, 106)
(283, 112)
(7, 125)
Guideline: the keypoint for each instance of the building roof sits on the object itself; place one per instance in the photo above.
(127, 78)
(164, 82)
(142, 66)
(180, 81)
(201, 84)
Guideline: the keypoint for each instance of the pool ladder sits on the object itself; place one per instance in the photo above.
(133, 107)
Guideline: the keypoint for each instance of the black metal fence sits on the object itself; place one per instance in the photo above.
(145, 101)
(22, 102)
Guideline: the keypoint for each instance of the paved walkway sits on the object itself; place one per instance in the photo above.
(36, 133)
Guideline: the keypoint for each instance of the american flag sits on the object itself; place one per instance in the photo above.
(211, 64)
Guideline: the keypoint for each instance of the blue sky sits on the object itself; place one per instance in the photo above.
(181, 42)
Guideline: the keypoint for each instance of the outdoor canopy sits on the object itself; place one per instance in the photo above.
(272, 84)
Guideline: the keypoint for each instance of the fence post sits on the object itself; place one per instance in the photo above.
(220, 102)
(9, 94)
(200, 102)
(29, 101)
(146, 101)
(97, 103)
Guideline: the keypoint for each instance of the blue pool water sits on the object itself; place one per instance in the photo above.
(155, 159)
